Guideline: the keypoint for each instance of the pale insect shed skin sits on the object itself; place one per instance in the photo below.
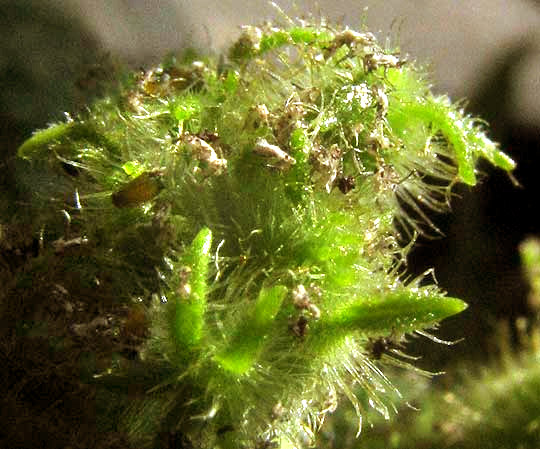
(204, 152)
(161, 81)
(265, 149)
(382, 101)
(334, 161)
(258, 116)
(291, 117)
(352, 39)
(248, 44)
(184, 289)
(60, 244)
(262, 113)
(372, 61)
(302, 301)
(328, 164)
(251, 36)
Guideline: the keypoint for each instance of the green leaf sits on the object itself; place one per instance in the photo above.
(399, 312)
(245, 346)
(441, 117)
(36, 144)
(187, 319)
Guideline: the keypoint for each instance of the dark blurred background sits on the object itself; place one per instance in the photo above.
(51, 61)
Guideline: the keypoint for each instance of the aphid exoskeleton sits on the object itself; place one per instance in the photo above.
(184, 289)
(279, 158)
(372, 61)
(377, 139)
(251, 35)
(294, 108)
(302, 301)
(382, 101)
(334, 165)
(314, 311)
(289, 119)
(300, 297)
(160, 81)
(351, 39)
(179, 78)
(247, 44)
(258, 116)
(139, 190)
(327, 164)
(262, 112)
(60, 244)
(205, 153)
(387, 178)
